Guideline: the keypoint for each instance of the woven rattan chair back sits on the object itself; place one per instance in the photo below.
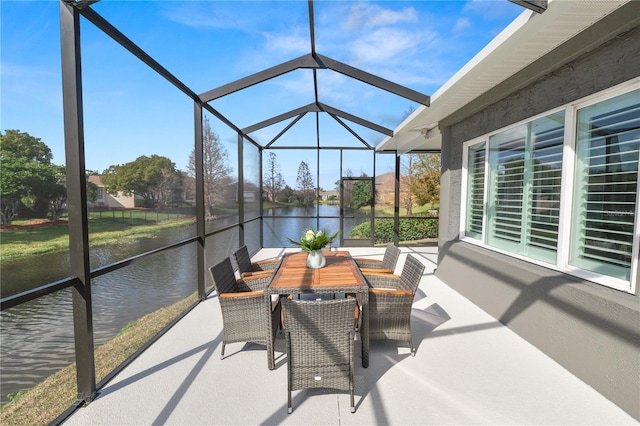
(390, 259)
(390, 302)
(245, 318)
(243, 259)
(223, 277)
(411, 274)
(319, 337)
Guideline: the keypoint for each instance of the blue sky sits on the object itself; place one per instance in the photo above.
(129, 111)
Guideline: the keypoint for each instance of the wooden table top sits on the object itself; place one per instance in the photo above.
(340, 271)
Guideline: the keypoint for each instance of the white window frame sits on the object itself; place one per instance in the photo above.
(464, 189)
(566, 198)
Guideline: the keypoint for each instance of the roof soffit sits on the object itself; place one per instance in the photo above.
(527, 39)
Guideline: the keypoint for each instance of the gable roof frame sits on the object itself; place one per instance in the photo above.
(315, 61)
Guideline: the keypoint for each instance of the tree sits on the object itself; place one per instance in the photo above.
(17, 144)
(287, 195)
(29, 180)
(306, 185)
(92, 188)
(272, 181)
(407, 172)
(217, 170)
(361, 194)
(15, 185)
(151, 178)
(57, 192)
(426, 185)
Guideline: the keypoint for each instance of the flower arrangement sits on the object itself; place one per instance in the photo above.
(314, 240)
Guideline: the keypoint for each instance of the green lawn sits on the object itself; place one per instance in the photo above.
(15, 243)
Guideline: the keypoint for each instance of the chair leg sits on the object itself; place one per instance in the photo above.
(289, 409)
(413, 350)
(351, 368)
(222, 352)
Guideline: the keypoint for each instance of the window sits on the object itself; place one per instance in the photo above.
(514, 203)
(475, 192)
(524, 189)
(606, 186)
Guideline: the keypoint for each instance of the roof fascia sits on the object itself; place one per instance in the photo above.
(80, 4)
(538, 6)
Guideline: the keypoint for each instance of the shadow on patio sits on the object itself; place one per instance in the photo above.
(468, 369)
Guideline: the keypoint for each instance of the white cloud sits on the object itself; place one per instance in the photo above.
(369, 16)
(203, 15)
(287, 43)
(383, 44)
(297, 82)
(461, 24)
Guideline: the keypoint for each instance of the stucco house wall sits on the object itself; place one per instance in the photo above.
(106, 200)
(591, 330)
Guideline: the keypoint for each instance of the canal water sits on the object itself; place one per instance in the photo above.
(37, 337)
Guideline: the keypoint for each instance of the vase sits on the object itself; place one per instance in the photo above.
(316, 259)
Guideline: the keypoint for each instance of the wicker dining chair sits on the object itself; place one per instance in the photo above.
(319, 338)
(248, 313)
(248, 268)
(390, 300)
(386, 265)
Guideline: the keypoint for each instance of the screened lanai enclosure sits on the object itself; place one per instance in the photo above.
(239, 157)
(314, 126)
(257, 175)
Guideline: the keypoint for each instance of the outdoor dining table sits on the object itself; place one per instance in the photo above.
(340, 275)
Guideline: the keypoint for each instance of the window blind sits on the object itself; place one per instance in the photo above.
(608, 147)
(475, 190)
(543, 183)
(507, 190)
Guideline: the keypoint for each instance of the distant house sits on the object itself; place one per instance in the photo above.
(106, 200)
(385, 189)
(329, 195)
(250, 196)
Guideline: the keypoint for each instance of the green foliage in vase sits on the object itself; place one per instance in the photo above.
(314, 240)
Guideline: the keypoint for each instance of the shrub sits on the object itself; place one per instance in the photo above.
(410, 230)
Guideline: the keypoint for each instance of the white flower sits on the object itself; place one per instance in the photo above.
(319, 234)
(309, 235)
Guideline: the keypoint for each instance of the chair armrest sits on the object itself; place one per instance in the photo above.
(376, 271)
(266, 265)
(255, 283)
(257, 274)
(367, 263)
(241, 294)
(390, 292)
(269, 262)
(382, 280)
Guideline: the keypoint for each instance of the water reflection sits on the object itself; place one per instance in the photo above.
(277, 230)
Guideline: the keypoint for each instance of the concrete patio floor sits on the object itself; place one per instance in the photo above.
(468, 369)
